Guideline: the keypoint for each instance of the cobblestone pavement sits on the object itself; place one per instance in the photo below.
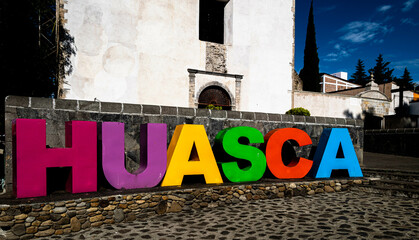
(345, 215)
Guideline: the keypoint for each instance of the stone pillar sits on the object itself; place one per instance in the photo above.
(192, 88)
(236, 106)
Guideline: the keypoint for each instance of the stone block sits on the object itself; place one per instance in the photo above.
(110, 107)
(340, 121)
(233, 114)
(61, 104)
(118, 215)
(45, 233)
(17, 101)
(248, 115)
(350, 121)
(321, 120)
(275, 117)
(261, 116)
(287, 118)
(151, 109)
(218, 113)
(19, 229)
(329, 189)
(330, 120)
(299, 119)
(8, 127)
(132, 108)
(202, 112)
(310, 119)
(168, 110)
(89, 106)
(44, 103)
(186, 112)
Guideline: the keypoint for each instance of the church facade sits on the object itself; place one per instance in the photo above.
(235, 54)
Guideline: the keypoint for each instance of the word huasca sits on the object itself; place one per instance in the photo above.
(168, 165)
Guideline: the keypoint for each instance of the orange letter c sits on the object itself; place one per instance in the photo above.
(275, 140)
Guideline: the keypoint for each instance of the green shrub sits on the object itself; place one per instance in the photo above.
(298, 111)
(212, 107)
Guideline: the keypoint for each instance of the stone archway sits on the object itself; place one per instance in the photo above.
(214, 95)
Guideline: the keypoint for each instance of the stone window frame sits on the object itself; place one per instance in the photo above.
(193, 99)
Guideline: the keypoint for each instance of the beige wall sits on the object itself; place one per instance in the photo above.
(138, 51)
(341, 106)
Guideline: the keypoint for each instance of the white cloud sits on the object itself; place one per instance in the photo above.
(409, 21)
(332, 55)
(361, 32)
(384, 8)
(408, 5)
(339, 53)
(412, 64)
(330, 59)
(325, 9)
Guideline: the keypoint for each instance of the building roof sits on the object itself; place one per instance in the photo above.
(338, 78)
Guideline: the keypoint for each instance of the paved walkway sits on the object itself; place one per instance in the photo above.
(346, 215)
(391, 162)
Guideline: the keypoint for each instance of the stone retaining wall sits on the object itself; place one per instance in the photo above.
(57, 111)
(23, 221)
(400, 141)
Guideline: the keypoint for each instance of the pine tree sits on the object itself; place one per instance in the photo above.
(310, 73)
(360, 76)
(382, 73)
(406, 81)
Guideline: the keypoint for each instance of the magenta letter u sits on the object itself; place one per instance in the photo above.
(32, 158)
(153, 147)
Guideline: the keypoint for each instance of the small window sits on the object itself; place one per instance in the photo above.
(211, 20)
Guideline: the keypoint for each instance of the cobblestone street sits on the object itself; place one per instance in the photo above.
(345, 215)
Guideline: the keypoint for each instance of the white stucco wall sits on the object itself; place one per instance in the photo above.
(342, 106)
(262, 50)
(329, 105)
(138, 51)
(395, 96)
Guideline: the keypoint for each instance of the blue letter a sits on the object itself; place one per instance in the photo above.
(325, 159)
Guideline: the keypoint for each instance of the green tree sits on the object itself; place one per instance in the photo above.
(382, 73)
(310, 73)
(29, 50)
(360, 76)
(405, 81)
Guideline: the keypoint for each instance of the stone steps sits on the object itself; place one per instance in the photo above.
(396, 175)
(391, 191)
(400, 184)
(392, 182)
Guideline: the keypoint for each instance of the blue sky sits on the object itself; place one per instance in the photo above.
(348, 30)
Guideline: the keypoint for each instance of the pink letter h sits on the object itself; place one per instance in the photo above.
(32, 158)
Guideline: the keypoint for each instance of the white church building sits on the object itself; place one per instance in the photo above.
(238, 54)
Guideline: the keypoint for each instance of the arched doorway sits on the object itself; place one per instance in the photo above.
(216, 96)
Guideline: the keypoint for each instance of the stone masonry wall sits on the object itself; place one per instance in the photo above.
(401, 141)
(46, 218)
(60, 214)
(58, 111)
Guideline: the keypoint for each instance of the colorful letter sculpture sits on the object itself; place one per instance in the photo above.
(184, 139)
(153, 142)
(229, 139)
(275, 140)
(325, 158)
(189, 153)
(33, 158)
